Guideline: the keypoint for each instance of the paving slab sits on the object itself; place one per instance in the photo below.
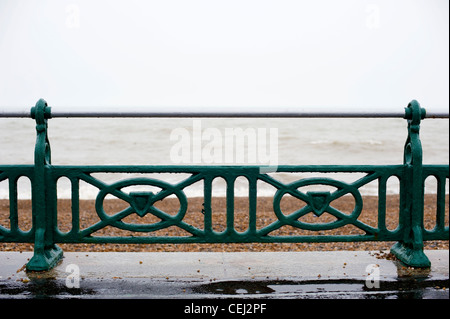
(200, 275)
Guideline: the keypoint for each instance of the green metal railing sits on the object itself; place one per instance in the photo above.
(45, 234)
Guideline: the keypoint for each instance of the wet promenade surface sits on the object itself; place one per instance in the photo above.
(232, 276)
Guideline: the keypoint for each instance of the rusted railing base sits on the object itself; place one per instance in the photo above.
(410, 256)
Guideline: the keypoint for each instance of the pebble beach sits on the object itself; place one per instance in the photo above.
(195, 217)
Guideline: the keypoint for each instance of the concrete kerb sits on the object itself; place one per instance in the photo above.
(331, 274)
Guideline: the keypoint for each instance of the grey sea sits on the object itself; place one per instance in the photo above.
(186, 141)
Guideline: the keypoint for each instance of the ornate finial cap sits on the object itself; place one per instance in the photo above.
(414, 112)
(41, 111)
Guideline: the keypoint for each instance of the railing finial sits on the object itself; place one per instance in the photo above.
(414, 113)
(41, 111)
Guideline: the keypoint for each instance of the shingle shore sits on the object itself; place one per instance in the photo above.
(195, 217)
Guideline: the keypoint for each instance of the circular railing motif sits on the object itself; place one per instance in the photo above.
(318, 202)
(141, 203)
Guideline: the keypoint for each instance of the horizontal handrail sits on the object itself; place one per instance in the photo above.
(222, 112)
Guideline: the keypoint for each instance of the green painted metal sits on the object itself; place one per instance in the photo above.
(46, 252)
(410, 233)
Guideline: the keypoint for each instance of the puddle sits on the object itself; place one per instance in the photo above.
(41, 288)
(149, 288)
(326, 289)
(234, 288)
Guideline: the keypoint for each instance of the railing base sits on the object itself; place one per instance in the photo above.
(45, 261)
(409, 256)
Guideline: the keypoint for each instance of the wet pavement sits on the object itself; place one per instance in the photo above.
(240, 275)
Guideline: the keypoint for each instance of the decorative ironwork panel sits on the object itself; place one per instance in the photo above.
(142, 204)
(13, 233)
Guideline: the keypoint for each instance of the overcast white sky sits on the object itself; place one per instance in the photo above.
(347, 53)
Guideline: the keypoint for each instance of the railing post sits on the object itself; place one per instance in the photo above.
(46, 253)
(410, 249)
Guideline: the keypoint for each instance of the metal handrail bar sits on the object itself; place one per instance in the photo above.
(223, 112)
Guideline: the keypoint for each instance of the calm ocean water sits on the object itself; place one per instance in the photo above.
(287, 141)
